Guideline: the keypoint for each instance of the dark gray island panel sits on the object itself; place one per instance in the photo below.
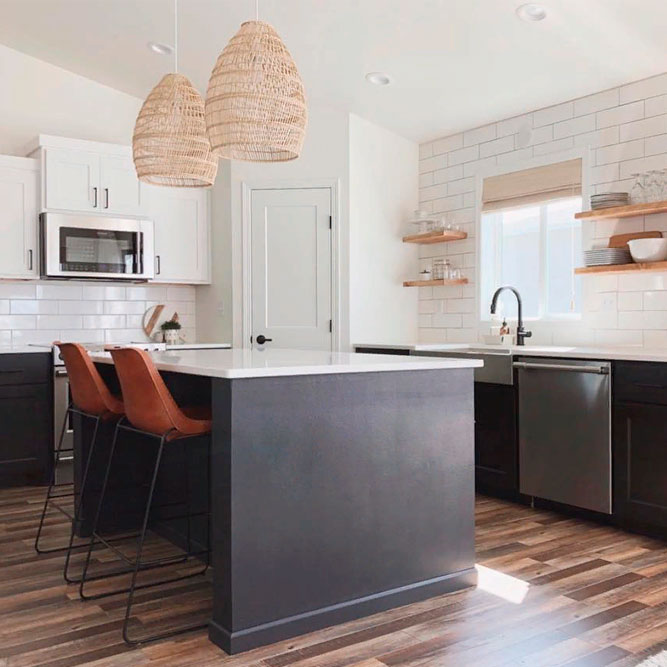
(336, 496)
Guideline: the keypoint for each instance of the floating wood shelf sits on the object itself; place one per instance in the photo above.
(621, 268)
(624, 211)
(440, 236)
(434, 283)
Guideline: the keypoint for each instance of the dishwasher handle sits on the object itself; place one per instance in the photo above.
(597, 370)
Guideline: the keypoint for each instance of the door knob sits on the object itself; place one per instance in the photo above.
(261, 339)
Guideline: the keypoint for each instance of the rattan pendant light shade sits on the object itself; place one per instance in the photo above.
(255, 103)
(170, 145)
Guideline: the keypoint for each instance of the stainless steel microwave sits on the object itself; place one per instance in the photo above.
(88, 246)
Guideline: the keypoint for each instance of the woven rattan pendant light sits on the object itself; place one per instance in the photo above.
(170, 146)
(255, 102)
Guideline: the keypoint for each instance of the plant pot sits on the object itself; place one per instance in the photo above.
(172, 336)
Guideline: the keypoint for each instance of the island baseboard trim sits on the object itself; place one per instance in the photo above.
(292, 626)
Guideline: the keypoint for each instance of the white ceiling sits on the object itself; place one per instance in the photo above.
(455, 64)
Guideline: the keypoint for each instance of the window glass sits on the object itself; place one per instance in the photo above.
(534, 248)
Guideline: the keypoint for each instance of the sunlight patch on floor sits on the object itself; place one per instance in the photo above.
(502, 585)
(658, 660)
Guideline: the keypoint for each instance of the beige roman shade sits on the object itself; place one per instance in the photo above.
(530, 186)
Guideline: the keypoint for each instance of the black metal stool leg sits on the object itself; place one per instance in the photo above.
(77, 508)
(49, 490)
(98, 511)
(128, 610)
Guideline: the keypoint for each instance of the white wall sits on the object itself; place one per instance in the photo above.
(40, 98)
(624, 130)
(383, 195)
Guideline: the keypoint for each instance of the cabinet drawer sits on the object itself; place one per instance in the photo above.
(640, 382)
(30, 368)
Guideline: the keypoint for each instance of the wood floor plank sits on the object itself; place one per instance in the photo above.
(592, 595)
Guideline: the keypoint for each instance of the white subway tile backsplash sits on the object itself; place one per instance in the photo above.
(463, 155)
(656, 85)
(46, 311)
(654, 106)
(626, 131)
(630, 301)
(448, 144)
(425, 151)
(597, 102)
(18, 291)
(59, 322)
(479, 135)
(59, 291)
(580, 125)
(432, 163)
(449, 174)
(648, 127)
(503, 145)
(80, 307)
(32, 307)
(426, 179)
(619, 152)
(124, 307)
(553, 114)
(626, 113)
(513, 125)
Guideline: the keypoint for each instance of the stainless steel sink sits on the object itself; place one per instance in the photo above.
(497, 367)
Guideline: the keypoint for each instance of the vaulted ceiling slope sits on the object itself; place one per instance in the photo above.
(455, 64)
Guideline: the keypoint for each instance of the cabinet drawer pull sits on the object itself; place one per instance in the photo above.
(12, 370)
(106, 197)
(30, 260)
(649, 385)
(157, 261)
(95, 197)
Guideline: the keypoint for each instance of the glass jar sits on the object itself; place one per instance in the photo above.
(438, 269)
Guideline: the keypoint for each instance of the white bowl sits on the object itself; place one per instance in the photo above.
(648, 250)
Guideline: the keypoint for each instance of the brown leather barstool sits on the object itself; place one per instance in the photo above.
(150, 411)
(90, 398)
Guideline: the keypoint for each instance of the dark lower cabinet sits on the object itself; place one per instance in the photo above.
(496, 452)
(640, 467)
(26, 419)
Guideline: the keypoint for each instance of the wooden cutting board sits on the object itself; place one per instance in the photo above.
(621, 240)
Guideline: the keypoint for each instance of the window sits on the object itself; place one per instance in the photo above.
(534, 247)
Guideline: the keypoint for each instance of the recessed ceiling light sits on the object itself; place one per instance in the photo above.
(162, 49)
(531, 12)
(378, 78)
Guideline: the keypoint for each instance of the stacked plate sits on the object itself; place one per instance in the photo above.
(609, 199)
(607, 256)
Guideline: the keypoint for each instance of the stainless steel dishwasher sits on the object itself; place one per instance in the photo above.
(565, 431)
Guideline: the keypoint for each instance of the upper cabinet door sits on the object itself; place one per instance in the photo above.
(120, 190)
(18, 220)
(182, 231)
(72, 180)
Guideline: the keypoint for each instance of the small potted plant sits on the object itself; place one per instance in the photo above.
(170, 331)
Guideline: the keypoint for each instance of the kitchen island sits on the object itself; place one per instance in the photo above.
(340, 484)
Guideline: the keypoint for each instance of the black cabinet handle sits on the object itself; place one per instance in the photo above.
(261, 339)
(30, 260)
(95, 197)
(106, 197)
(157, 262)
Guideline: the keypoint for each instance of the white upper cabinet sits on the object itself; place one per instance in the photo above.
(19, 194)
(88, 177)
(71, 180)
(182, 234)
(120, 190)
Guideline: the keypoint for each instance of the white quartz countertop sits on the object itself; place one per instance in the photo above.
(620, 353)
(239, 363)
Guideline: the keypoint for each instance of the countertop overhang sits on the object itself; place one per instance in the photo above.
(616, 353)
(252, 363)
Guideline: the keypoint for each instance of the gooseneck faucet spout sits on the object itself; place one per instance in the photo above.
(521, 333)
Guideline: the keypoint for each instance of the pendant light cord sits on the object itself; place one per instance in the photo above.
(175, 36)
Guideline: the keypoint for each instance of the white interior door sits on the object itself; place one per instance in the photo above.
(291, 267)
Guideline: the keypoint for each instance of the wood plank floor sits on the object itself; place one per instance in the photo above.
(553, 591)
